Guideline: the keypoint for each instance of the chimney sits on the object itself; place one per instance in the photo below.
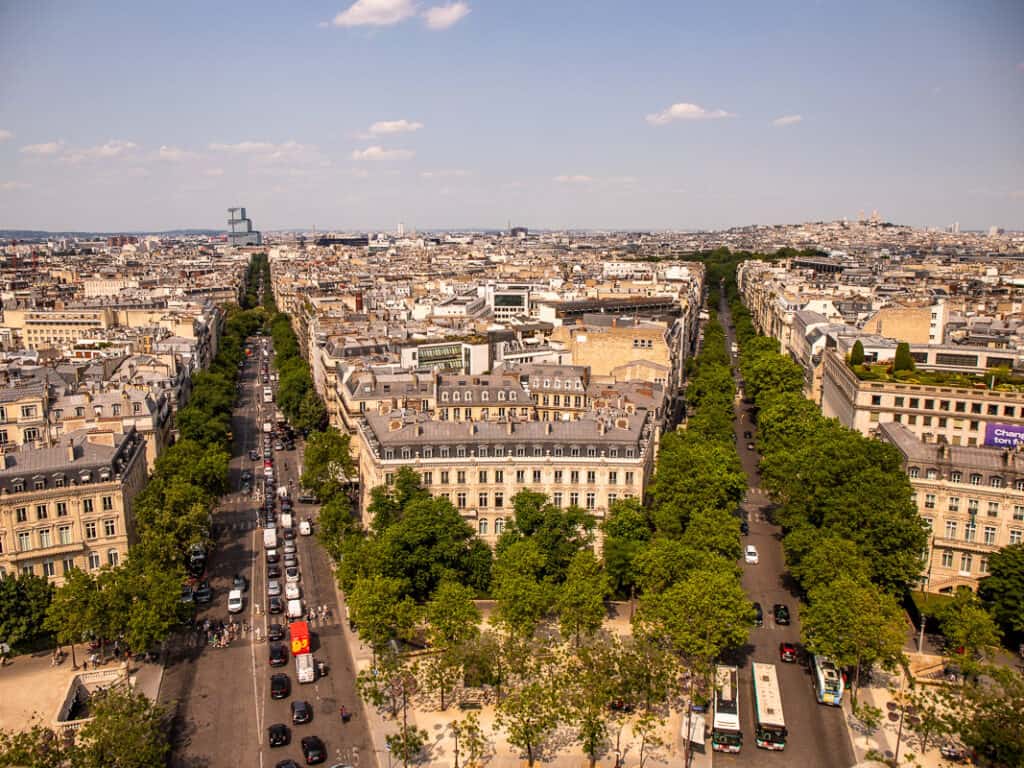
(71, 449)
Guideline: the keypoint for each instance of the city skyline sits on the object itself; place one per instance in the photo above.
(467, 114)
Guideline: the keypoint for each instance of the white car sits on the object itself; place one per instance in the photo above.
(235, 601)
(750, 554)
(292, 591)
(273, 588)
(291, 574)
(305, 529)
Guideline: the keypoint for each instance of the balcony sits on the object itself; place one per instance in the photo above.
(54, 550)
(961, 544)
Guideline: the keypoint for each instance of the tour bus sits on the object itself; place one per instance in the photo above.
(828, 681)
(268, 395)
(725, 729)
(769, 724)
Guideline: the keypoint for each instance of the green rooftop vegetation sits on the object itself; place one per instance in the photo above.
(999, 379)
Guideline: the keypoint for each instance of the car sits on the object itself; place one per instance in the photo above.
(289, 445)
(313, 750)
(290, 561)
(750, 554)
(279, 735)
(278, 446)
(744, 527)
(254, 454)
(246, 474)
(187, 595)
(275, 632)
(307, 498)
(758, 615)
(292, 591)
(301, 712)
(274, 588)
(203, 593)
(286, 505)
(239, 582)
(278, 655)
(275, 605)
(781, 614)
(280, 685)
(305, 528)
(748, 435)
(268, 462)
(292, 575)
(273, 571)
(266, 453)
(288, 534)
(289, 763)
(246, 488)
(235, 602)
(289, 548)
(272, 556)
(750, 446)
(787, 652)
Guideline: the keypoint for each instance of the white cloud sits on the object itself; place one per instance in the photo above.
(787, 120)
(444, 16)
(323, 25)
(175, 154)
(574, 179)
(47, 148)
(244, 147)
(113, 148)
(12, 186)
(267, 152)
(379, 153)
(213, 172)
(5, 135)
(683, 111)
(384, 127)
(375, 13)
(448, 173)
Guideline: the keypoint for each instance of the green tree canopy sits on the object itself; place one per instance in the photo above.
(1003, 589)
(580, 598)
(524, 593)
(557, 533)
(857, 353)
(328, 463)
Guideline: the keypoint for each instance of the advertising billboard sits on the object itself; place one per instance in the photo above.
(1004, 435)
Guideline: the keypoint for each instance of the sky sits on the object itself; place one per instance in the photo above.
(551, 114)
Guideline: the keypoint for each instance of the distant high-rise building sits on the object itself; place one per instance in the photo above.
(955, 229)
(241, 232)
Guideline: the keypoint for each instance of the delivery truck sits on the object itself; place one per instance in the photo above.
(286, 521)
(305, 670)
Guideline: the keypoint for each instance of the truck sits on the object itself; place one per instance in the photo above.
(269, 538)
(298, 634)
(267, 427)
(286, 520)
(305, 669)
(282, 491)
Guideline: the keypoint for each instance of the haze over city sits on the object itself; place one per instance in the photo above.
(129, 117)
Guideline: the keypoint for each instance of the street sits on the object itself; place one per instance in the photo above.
(224, 699)
(817, 733)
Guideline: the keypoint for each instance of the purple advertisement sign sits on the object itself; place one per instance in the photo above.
(1004, 435)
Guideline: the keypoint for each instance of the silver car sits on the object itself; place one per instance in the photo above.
(273, 588)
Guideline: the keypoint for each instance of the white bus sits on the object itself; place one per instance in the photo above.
(769, 724)
(725, 729)
(828, 681)
(268, 395)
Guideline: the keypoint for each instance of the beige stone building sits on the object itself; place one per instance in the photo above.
(972, 499)
(915, 325)
(70, 505)
(618, 346)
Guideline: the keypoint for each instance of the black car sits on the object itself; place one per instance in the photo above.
(288, 534)
(744, 527)
(278, 655)
(748, 435)
(280, 686)
(275, 632)
(289, 763)
(279, 735)
(781, 614)
(758, 615)
(239, 582)
(301, 712)
(273, 571)
(313, 750)
(272, 557)
(275, 605)
(203, 593)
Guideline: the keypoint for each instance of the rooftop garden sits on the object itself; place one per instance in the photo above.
(902, 369)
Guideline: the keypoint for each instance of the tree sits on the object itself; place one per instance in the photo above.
(814, 556)
(588, 687)
(407, 743)
(966, 625)
(381, 611)
(714, 530)
(855, 624)
(24, 601)
(524, 596)
(328, 463)
(38, 747)
(580, 599)
(626, 531)
(127, 730)
(453, 619)
(557, 533)
(994, 710)
(1003, 589)
(932, 709)
(73, 613)
(857, 353)
(529, 715)
(334, 523)
(903, 360)
(469, 740)
(312, 414)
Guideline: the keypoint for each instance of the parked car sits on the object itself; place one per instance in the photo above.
(313, 750)
(274, 588)
(292, 575)
(254, 454)
(275, 632)
(280, 686)
(301, 712)
(290, 561)
(292, 591)
(748, 435)
(758, 615)
(750, 554)
(279, 735)
(781, 614)
(288, 534)
(272, 556)
(273, 571)
(278, 655)
(203, 593)
(788, 653)
(235, 601)
(275, 605)
(744, 527)
(289, 763)
(187, 596)
(239, 582)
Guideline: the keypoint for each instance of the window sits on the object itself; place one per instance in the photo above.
(460, 452)
(460, 499)
(389, 478)
(21, 514)
(929, 501)
(90, 530)
(876, 399)
(966, 560)
(613, 478)
(112, 556)
(574, 499)
(954, 503)
(983, 565)
(558, 476)
(444, 451)
(499, 526)
(460, 477)
(24, 541)
(428, 452)
(428, 478)
(993, 509)
(975, 407)
(970, 532)
(64, 534)
(1018, 511)
(28, 411)
(972, 506)
(591, 477)
(28, 570)
(482, 476)
(995, 481)
(574, 477)
(49, 568)
(39, 484)
(41, 512)
(499, 476)
(611, 498)
(629, 478)
(499, 499)
(444, 477)
(898, 402)
(94, 561)
(68, 564)
(44, 538)
(30, 434)
(1019, 485)
(591, 500)
(932, 474)
(556, 498)
(521, 476)
(1015, 535)
(990, 535)
(951, 529)
(520, 450)
(481, 527)
(109, 528)
(947, 558)
(956, 477)
(975, 478)
(482, 500)
(406, 454)
(86, 505)
(536, 476)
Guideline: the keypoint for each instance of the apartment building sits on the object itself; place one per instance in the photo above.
(480, 466)
(70, 505)
(959, 415)
(972, 499)
(23, 412)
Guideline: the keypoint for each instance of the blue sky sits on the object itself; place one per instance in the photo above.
(442, 113)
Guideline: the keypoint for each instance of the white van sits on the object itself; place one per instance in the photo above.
(235, 601)
(305, 529)
(295, 609)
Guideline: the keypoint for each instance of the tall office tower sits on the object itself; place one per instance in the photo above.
(241, 232)
(956, 227)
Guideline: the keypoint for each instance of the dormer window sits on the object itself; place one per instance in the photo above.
(79, 411)
(484, 396)
(444, 397)
(116, 409)
(104, 474)
(85, 476)
(456, 396)
(17, 485)
(512, 395)
(501, 395)
(469, 396)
